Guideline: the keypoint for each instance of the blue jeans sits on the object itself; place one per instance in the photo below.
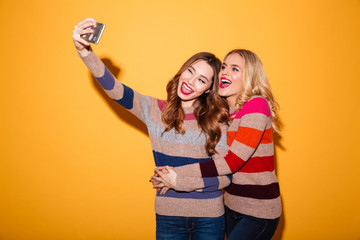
(245, 227)
(181, 228)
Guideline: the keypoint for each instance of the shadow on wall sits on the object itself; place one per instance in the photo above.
(278, 145)
(121, 112)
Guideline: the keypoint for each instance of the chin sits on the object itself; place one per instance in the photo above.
(222, 92)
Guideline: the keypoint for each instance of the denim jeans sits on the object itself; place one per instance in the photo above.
(245, 227)
(181, 228)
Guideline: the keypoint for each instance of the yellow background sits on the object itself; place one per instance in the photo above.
(74, 165)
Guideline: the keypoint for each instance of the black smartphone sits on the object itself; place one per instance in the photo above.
(96, 35)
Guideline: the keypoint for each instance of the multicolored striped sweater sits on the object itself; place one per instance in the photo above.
(254, 189)
(169, 148)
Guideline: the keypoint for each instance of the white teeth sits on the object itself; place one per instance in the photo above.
(225, 81)
(187, 88)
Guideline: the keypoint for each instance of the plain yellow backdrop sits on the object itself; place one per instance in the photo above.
(74, 165)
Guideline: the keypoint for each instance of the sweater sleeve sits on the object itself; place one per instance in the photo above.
(120, 93)
(206, 184)
(255, 116)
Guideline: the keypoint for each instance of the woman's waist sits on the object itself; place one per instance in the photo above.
(189, 207)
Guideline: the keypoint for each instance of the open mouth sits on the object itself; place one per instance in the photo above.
(224, 83)
(185, 89)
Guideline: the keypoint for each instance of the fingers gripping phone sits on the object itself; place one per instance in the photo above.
(96, 35)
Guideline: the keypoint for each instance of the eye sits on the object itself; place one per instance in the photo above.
(190, 70)
(235, 69)
(222, 67)
(202, 81)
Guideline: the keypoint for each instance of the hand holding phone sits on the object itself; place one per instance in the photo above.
(96, 35)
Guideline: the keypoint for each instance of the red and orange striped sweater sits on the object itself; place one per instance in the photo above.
(254, 189)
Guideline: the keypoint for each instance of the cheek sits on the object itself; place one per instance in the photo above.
(179, 84)
(201, 88)
(220, 75)
(208, 88)
(185, 74)
(238, 79)
(181, 79)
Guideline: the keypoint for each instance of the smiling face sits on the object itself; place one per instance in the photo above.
(194, 81)
(231, 75)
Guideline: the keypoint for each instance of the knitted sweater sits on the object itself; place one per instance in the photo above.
(254, 189)
(169, 148)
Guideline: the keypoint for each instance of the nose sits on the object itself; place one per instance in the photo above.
(224, 71)
(192, 80)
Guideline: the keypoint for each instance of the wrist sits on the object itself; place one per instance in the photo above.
(84, 52)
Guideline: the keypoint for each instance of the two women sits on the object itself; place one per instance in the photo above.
(252, 201)
(183, 130)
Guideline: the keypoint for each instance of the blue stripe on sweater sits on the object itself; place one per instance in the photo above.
(211, 183)
(173, 161)
(107, 81)
(191, 195)
(128, 98)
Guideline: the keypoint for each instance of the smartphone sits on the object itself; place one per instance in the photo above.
(96, 35)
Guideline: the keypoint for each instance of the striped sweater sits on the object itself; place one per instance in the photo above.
(169, 148)
(254, 189)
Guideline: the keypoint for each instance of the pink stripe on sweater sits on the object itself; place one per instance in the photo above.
(189, 116)
(255, 105)
(161, 104)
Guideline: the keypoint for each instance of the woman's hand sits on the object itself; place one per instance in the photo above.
(154, 182)
(81, 28)
(164, 177)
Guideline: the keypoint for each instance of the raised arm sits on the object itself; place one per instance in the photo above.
(120, 93)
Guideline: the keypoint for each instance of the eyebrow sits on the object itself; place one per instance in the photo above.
(200, 74)
(233, 65)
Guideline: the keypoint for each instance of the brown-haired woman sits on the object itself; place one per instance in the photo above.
(184, 129)
(253, 203)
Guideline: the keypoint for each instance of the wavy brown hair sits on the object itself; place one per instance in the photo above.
(210, 109)
(255, 82)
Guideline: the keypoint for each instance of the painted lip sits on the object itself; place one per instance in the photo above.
(221, 85)
(188, 88)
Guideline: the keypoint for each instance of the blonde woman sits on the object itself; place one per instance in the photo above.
(252, 201)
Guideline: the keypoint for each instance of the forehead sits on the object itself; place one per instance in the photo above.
(234, 59)
(203, 68)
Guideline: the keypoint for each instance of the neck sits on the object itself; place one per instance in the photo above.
(186, 104)
(231, 101)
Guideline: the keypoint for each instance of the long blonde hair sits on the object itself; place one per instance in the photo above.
(210, 108)
(255, 82)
